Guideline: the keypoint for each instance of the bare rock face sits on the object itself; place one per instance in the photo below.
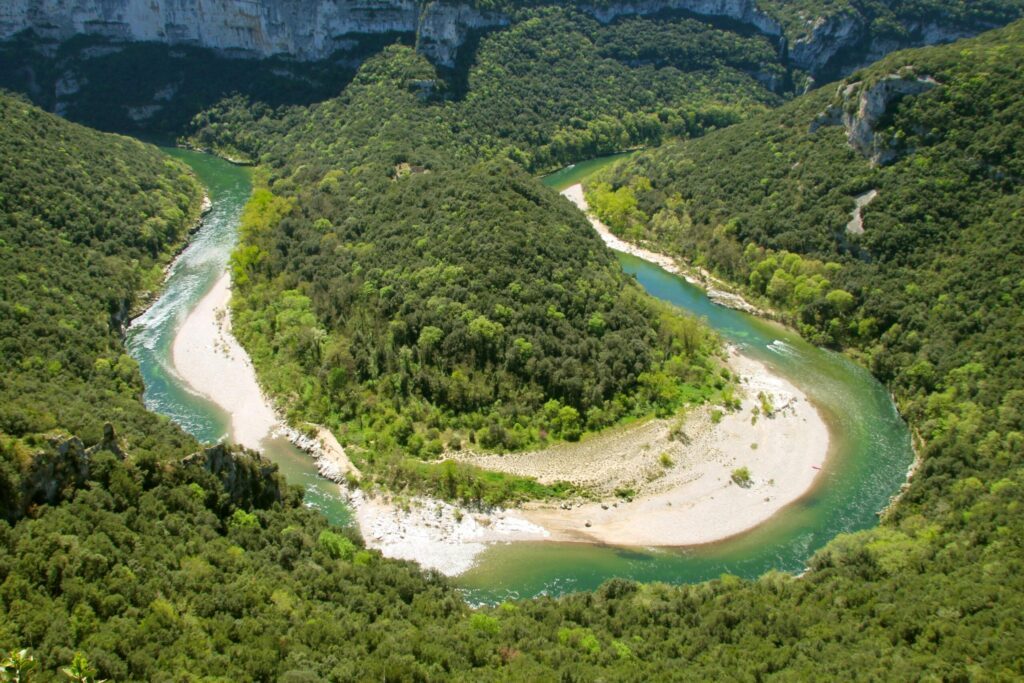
(307, 29)
(304, 29)
(826, 38)
(862, 106)
(872, 104)
(841, 43)
(444, 28)
(743, 11)
(248, 479)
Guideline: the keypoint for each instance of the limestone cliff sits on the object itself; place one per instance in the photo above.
(837, 45)
(862, 106)
(311, 30)
(308, 29)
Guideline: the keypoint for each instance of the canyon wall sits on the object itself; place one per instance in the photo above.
(306, 29)
(310, 30)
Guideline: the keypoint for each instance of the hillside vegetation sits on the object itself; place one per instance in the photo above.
(557, 86)
(420, 302)
(87, 222)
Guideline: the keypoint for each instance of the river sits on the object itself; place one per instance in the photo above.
(870, 443)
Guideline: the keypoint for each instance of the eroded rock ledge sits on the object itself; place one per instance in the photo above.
(861, 107)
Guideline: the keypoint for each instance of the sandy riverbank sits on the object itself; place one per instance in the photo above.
(575, 195)
(210, 360)
(684, 493)
(690, 501)
(436, 534)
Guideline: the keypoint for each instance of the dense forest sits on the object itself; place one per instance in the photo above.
(559, 86)
(87, 224)
(119, 561)
(420, 303)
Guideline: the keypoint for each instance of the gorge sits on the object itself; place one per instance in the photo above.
(392, 279)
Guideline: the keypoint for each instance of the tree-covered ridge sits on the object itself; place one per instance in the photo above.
(553, 88)
(157, 572)
(559, 86)
(930, 294)
(87, 221)
(419, 302)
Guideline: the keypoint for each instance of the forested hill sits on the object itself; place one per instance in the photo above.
(115, 557)
(87, 222)
(925, 287)
(554, 88)
(419, 301)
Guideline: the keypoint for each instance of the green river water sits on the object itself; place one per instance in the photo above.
(868, 460)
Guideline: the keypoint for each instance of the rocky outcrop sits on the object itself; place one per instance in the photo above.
(826, 37)
(248, 479)
(53, 472)
(443, 29)
(841, 43)
(862, 106)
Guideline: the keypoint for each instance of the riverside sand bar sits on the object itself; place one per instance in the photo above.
(685, 493)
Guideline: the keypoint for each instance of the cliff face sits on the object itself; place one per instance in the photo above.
(861, 108)
(307, 29)
(841, 43)
(311, 30)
